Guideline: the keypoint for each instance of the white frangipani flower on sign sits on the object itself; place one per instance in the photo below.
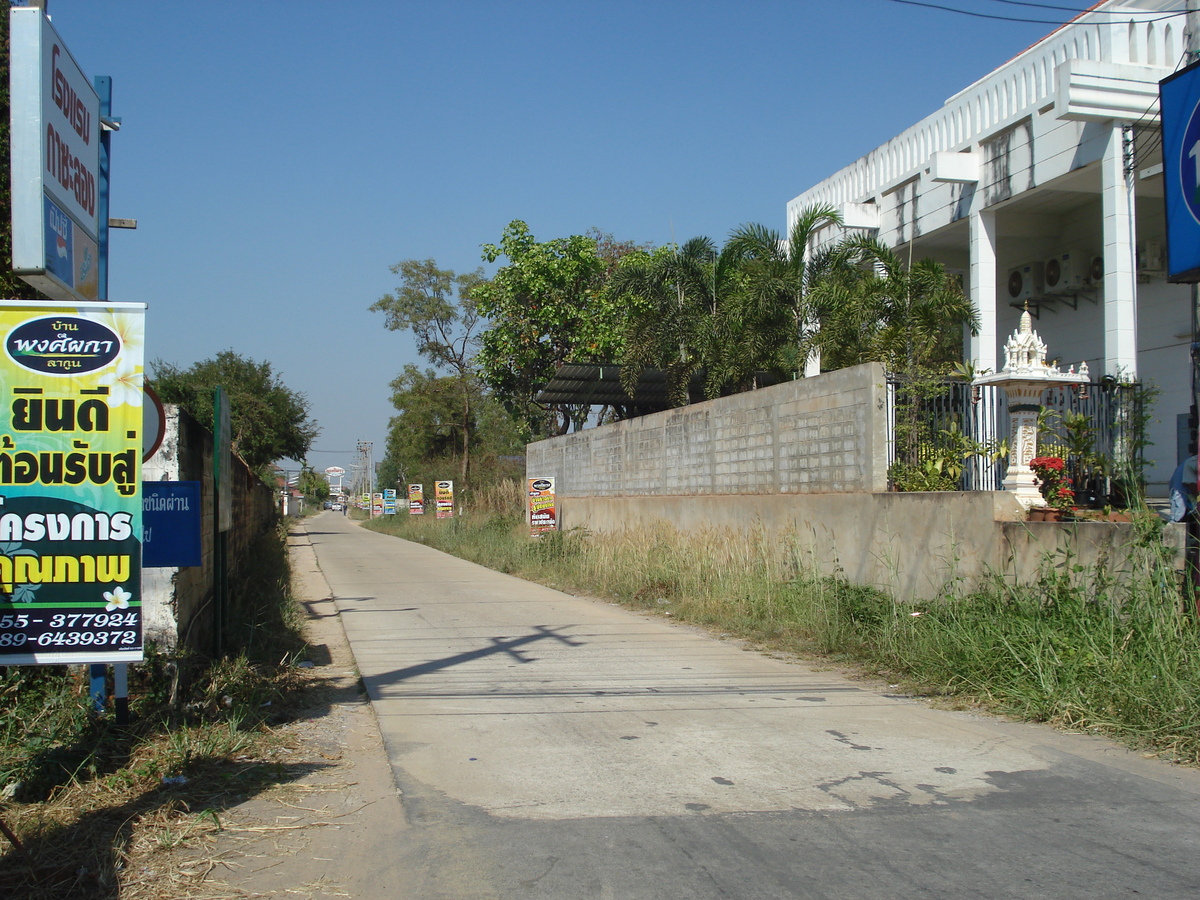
(124, 383)
(117, 598)
(129, 328)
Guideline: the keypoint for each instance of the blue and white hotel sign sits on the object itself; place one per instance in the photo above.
(1179, 104)
(55, 146)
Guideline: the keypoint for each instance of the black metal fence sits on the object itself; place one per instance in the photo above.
(1095, 427)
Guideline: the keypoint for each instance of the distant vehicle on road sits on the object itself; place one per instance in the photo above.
(337, 507)
(328, 504)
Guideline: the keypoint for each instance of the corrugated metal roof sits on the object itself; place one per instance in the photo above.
(594, 385)
(601, 386)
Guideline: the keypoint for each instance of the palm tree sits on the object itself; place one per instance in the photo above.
(872, 308)
(779, 278)
(676, 295)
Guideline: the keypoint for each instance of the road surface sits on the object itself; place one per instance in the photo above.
(550, 746)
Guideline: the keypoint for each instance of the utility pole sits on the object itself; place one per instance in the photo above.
(364, 470)
(1192, 38)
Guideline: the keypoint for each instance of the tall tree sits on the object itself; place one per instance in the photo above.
(873, 307)
(547, 306)
(428, 425)
(426, 432)
(313, 485)
(268, 420)
(676, 299)
(779, 277)
(439, 307)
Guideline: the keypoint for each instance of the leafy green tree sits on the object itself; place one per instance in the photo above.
(439, 307)
(425, 435)
(268, 420)
(313, 485)
(547, 306)
(428, 421)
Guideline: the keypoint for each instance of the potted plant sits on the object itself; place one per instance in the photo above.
(1054, 484)
(1088, 467)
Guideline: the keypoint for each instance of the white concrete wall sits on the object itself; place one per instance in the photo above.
(177, 602)
(159, 622)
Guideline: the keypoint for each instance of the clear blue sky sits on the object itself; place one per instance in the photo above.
(280, 155)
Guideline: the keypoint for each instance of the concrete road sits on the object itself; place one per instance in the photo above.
(548, 746)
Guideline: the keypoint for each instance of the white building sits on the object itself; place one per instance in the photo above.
(1042, 183)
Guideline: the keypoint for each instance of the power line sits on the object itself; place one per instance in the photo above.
(1057, 22)
(1077, 10)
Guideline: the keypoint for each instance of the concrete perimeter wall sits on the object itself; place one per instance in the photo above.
(916, 546)
(813, 435)
(177, 603)
(807, 461)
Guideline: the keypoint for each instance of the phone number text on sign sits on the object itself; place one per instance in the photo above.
(69, 628)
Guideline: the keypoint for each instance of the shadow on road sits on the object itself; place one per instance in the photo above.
(510, 646)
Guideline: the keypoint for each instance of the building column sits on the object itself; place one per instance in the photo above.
(982, 349)
(1120, 261)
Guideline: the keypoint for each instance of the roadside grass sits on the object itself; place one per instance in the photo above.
(92, 804)
(1114, 653)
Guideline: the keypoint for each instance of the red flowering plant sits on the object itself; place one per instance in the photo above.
(1053, 482)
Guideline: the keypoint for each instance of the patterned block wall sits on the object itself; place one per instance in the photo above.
(813, 435)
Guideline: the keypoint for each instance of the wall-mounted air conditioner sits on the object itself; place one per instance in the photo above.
(1025, 282)
(1062, 275)
(1072, 271)
(1150, 259)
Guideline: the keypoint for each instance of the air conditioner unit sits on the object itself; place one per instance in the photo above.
(1071, 271)
(1150, 258)
(1025, 282)
(1062, 275)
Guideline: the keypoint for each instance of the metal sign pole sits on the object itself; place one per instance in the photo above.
(103, 86)
(1193, 521)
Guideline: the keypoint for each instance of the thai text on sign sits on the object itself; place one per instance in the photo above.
(70, 489)
(543, 512)
(444, 498)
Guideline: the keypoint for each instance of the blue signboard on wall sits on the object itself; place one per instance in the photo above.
(170, 524)
(1179, 103)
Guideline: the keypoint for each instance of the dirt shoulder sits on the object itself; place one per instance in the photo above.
(326, 833)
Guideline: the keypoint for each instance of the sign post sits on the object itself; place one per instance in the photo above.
(223, 509)
(171, 519)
